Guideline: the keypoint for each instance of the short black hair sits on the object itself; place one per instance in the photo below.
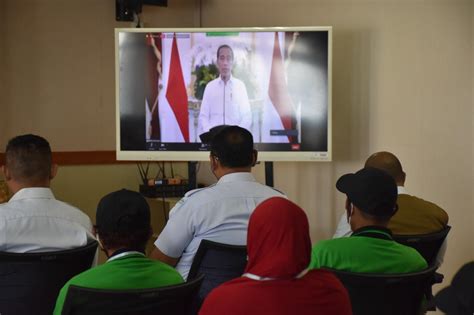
(233, 146)
(225, 46)
(28, 158)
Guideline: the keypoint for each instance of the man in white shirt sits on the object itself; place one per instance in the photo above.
(225, 100)
(220, 212)
(33, 220)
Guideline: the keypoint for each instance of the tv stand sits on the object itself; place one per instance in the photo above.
(269, 174)
(192, 178)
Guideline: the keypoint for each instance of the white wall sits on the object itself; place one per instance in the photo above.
(61, 68)
(472, 114)
(2, 75)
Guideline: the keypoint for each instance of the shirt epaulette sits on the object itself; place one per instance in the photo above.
(194, 191)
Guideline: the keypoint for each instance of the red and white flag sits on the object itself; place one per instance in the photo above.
(173, 108)
(278, 112)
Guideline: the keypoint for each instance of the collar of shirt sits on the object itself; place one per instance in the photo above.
(374, 231)
(237, 177)
(402, 190)
(118, 254)
(231, 80)
(33, 193)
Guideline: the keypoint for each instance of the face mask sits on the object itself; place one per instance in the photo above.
(101, 246)
(350, 213)
(98, 241)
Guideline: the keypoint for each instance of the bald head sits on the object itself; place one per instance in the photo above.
(389, 163)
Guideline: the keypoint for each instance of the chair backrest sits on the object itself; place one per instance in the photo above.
(427, 245)
(175, 300)
(218, 263)
(30, 282)
(388, 294)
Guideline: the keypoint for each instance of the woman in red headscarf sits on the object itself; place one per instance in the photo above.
(276, 280)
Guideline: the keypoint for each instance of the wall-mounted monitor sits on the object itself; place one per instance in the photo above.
(174, 84)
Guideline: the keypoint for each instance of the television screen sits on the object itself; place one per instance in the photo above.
(172, 85)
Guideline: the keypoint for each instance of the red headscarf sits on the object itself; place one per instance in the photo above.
(279, 249)
(278, 242)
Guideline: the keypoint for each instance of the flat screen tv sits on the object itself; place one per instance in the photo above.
(174, 84)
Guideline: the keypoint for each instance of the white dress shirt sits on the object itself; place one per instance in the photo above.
(218, 213)
(34, 221)
(225, 103)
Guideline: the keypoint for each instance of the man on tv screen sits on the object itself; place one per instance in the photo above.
(225, 100)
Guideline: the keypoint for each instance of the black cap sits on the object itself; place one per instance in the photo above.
(208, 136)
(371, 190)
(458, 298)
(123, 211)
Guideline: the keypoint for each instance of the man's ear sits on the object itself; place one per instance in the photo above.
(6, 173)
(254, 157)
(404, 177)
(54, 171)
(214, 162)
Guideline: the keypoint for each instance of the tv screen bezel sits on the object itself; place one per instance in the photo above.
(155, 155)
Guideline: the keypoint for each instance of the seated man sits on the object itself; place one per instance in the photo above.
(414, 216)
(33, 220)
(220, 212)
(122, 230)
(276, 280)
(370, 203)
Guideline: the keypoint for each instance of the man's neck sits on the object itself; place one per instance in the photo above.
(226, 171)
(365, 223)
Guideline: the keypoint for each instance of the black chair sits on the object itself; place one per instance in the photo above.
(396, 294)
(427, 245)
(172, 300)
(30, 282)
(218, 263)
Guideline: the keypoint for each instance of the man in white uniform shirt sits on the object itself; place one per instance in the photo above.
(33, 220)
(225, 100)
(220, 212)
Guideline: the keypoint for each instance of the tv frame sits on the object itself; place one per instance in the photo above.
(154, 155)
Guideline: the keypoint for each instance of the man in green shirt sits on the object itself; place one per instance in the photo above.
(122, 230)
(371, 202)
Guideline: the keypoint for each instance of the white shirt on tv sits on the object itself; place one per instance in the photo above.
(225, 104)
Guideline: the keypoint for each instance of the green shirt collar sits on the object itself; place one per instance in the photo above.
(374, 231)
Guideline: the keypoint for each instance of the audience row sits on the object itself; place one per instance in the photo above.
(284, 275)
